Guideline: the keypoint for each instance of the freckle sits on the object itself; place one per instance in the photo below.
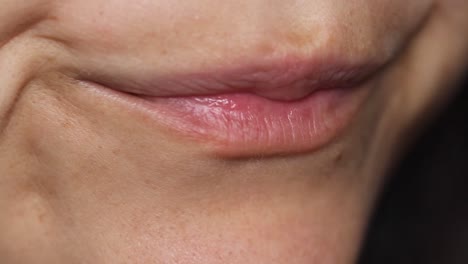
(54, 18)
(51, 193)
(339, 158)
(66, 125)
(265, 48)
(41, 218)
(164, 52)
(297, 39)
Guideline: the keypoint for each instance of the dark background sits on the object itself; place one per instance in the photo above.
(422, 216)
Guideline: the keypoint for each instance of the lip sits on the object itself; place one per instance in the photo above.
(286, 79)
(274, 108)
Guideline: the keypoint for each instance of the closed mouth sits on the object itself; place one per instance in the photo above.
(275, 108)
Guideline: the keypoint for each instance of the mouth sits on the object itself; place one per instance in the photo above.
(280, 107)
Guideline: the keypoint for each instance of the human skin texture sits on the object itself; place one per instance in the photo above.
(87, 176)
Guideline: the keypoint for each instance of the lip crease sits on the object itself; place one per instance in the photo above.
(275, 108)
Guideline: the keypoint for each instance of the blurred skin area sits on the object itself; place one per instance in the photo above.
(84, 179)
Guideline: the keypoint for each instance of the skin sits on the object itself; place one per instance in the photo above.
(85, 180)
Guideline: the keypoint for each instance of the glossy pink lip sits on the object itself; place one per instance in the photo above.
(281, 107)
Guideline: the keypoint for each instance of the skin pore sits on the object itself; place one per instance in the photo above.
(85, 177)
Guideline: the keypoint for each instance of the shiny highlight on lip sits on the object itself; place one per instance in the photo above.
(239, 125)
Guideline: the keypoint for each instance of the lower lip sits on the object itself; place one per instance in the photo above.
(243, 125)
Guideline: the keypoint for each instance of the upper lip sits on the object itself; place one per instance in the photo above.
(285, 79)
